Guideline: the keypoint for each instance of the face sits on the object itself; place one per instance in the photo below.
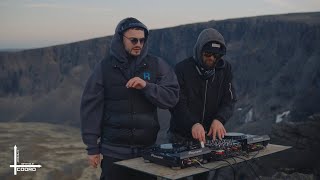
(133, 41)
(209, 59)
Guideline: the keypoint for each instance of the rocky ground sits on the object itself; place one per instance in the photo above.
(61, 153)
(58, 149)
(302, 160)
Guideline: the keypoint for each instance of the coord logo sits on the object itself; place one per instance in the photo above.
(22, 166)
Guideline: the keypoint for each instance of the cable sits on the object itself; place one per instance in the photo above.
(201, 165)
(217, 167)
(246, 154)
(247, 162)
(235, 163)
(255, 155)
(234, 171)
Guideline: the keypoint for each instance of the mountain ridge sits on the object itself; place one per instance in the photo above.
(265, 52)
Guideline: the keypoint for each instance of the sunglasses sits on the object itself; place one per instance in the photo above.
(209, 54)
(134, 41)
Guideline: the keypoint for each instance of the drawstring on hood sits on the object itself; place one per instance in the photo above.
(117, 48)
(206, 36)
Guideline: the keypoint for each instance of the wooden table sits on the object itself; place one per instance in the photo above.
(169, 173)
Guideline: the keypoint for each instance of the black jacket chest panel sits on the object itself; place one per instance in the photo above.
(118, 75)
(219, 99)
(128, 114)
(195, 89)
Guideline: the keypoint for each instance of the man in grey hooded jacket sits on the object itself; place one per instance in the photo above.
(120, 100)
(207, 94)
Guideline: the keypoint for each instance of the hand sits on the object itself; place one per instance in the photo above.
(198, 132)
(94, 160)
(136, 83)
(217, 128)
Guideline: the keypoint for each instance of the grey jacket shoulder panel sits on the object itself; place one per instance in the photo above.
(91, 110)
(165, 92)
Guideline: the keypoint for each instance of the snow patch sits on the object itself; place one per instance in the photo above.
(281, 116)
(249, 116)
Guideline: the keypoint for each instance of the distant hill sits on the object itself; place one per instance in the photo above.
(10, 50)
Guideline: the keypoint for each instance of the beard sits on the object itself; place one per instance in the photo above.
(209, 64)
(136, 51)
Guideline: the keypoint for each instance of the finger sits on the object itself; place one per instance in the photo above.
(97, 160)
(95, 163)
(135, 84)
(133, 81)
(224, 132)
(210, 131)
(194, 135)
(198, 135)
(128, 85)
(203, 136)
(214, 133)
(219, 134)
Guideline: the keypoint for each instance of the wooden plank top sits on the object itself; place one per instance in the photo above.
(169, 173)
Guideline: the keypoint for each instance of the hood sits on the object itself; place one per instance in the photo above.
(117, 48)
(206, 36)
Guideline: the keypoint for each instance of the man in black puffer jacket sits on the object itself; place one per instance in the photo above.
(206, 92)
(120, 100)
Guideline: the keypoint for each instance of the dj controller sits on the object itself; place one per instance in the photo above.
(192, 153)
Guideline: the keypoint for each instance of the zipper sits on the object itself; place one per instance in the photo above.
(230, 91)
(132, 100)
(204, 102)
(122, 70)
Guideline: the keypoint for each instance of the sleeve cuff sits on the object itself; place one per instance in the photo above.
(221, 119)
(147, 87)
(93, 151)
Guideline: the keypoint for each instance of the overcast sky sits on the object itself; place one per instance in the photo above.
(40, 23)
